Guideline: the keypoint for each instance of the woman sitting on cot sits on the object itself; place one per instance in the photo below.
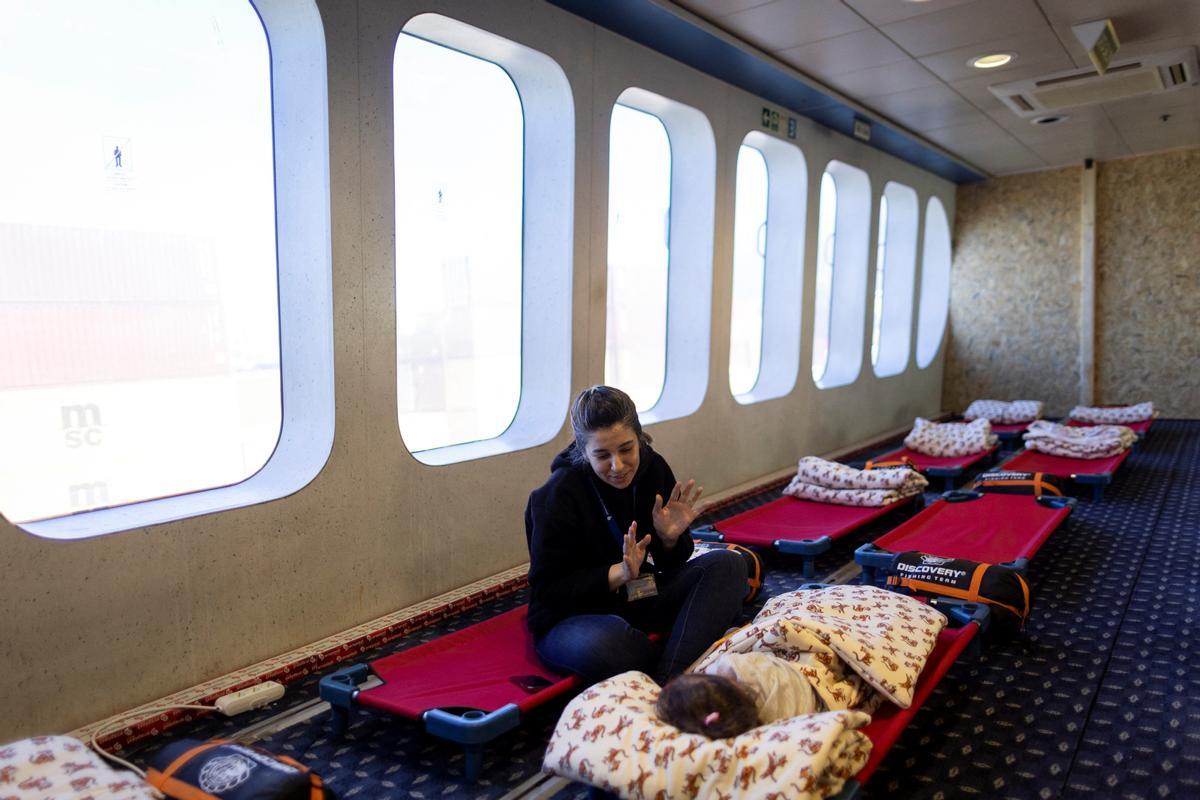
(609, 548)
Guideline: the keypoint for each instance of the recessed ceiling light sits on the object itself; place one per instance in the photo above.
(991, 61)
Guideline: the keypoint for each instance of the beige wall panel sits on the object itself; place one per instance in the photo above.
(1148, 276)
(98, 626)
(1014, 292)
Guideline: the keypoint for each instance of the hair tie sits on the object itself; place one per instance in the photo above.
(712, 718)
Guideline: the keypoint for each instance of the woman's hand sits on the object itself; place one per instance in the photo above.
(632, 556)
(673, 518)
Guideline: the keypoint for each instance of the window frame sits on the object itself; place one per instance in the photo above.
(937, 258)
(783, 268)
(300, 127)
(547, 249)
(899, 279)
(689, 252)
(848, 284)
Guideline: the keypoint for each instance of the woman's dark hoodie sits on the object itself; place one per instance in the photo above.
(571, 545)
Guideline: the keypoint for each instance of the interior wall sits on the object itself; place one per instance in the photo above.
(1148, 282)
(97, 626)
(1014, 287)
(1015, 284)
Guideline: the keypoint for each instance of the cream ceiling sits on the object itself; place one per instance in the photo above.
(907, 61)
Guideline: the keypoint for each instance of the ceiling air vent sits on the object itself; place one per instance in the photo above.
(1059, 91)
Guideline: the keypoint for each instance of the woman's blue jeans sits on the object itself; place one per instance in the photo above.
(697, 604)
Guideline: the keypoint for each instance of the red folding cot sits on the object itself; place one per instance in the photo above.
(991, 528)
(798, 527)
(469, 686)
(889, 721)
(946, 468)
(1094, 472)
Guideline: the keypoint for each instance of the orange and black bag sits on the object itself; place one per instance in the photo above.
(1037, 484)
(221, 769)
(1003, 589)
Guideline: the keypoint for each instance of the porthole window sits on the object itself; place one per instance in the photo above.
(841, 278)
(143, 291)
(662, 173)
(483, 227)
(768, 258)
(935, 283)
(895, 266)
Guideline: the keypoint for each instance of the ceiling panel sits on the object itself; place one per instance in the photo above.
(965, 25)
(1150, 107)
(1089, 121)
(790, 23)
(898, 77)
(925, 109)
(1181, 129)
(881, 12)
(1035, 47)
(711, 9)
(841, 54)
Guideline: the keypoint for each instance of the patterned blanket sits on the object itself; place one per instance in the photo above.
(850, 642)
(1113, 415)
(610, 737)
(830, 482)
(1099, 441)
(950, 439)
(1002, 412)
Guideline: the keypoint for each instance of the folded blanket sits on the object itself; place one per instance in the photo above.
(950, 439)
(845, 639)
(1004, 413)
(833, 475)
(1113, 415)
(830, 482)
(610, 736)
(863, 498)
(1099, 441)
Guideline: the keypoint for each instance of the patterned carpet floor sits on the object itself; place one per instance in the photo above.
(1100, 698)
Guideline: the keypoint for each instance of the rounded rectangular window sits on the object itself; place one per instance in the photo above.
(768, 260)
(458, 246)
(483, 235)
(841, 279)
(935, 283)
(749, 267)
(138, 272)
(895, 268)
(662, 174)
(639, 223)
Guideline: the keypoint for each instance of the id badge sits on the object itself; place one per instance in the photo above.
(641, 588)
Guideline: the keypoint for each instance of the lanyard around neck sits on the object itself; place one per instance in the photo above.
(613, 528)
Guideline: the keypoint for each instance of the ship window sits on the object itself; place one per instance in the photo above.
(142, 286)
(935, 283)
(895, 266)
(661, 183)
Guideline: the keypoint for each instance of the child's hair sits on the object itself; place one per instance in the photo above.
(710, 705)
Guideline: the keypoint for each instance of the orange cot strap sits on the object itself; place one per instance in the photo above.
(1038, 482)
(173, 787)
(977, 580)
(188, 755)
(900, 462)
(949, 591)
(317, 791)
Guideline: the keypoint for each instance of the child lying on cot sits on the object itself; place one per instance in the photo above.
(841, 648)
